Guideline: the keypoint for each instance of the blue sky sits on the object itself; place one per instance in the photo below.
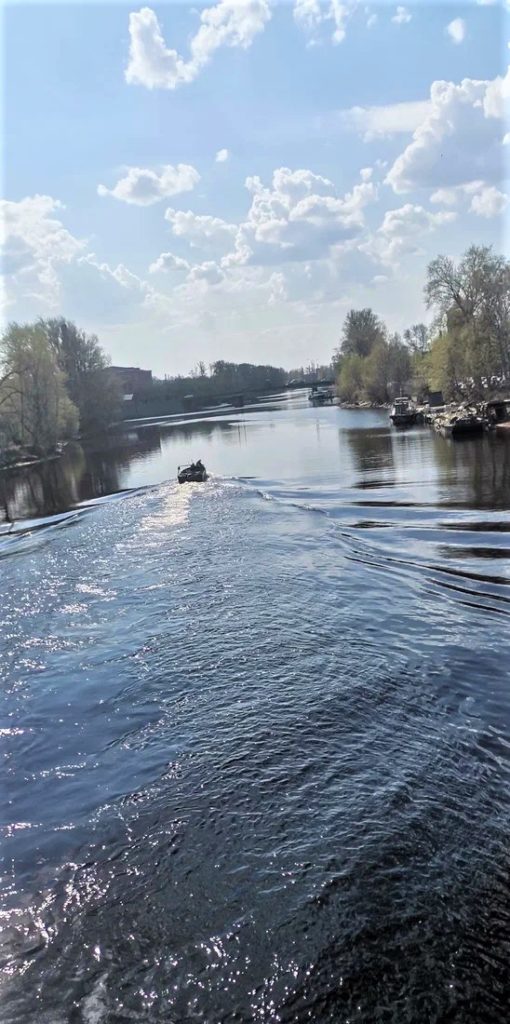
(227, 181)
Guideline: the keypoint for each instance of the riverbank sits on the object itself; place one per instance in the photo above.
(363, 405)
(22, 457)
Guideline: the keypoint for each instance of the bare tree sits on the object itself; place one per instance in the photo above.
(472, 300)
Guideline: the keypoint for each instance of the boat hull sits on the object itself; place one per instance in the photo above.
(462, 428)
(406, 419)
(187, 477)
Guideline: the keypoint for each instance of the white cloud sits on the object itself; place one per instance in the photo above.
(209, 272)
(36, 244)
(497, 97)
(123, 277)
(311, 15)
(445, 196)
(299, 217)
(371, 20)
(232, 23)
(489, 202)
(456, 30)
(402, 231)
(143, 187)
(168, 262)
(484, 200)
(385, 120)
(401, 16)
(453, 196)
(45, 269)
(115, 292)
(222, 156)
(200, 229)
(459, 139)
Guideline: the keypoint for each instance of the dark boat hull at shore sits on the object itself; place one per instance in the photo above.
(468, 427)
(403, 419)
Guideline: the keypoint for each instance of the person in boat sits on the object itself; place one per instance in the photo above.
(199, 466)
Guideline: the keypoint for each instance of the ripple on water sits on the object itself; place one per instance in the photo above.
(260, 763)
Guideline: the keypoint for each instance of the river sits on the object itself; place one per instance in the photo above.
(256, 732)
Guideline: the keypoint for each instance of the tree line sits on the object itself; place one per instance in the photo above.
(52, 385)
(220, 378)
(465, 352)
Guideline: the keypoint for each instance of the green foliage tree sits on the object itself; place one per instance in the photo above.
(85, 366)
(350, 379)
(34, 404)
(362, 330)
(399, 366)
(472, 305)
(387, 370)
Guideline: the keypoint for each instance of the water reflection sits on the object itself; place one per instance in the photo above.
(371, 450)
(277, 441)
(257, 753)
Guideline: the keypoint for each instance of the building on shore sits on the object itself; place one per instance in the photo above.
(130, 379)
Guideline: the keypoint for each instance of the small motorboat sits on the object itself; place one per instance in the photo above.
(194, 474)
(403, 413)
(321, 394)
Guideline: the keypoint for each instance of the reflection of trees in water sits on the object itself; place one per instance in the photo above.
(474, 472)
(80, 474)
(370, 449)
(483, 465)
(203, 430)
(46, 488)
(111, 456)
(478, 466)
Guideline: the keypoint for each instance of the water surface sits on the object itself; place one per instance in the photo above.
(256, 733)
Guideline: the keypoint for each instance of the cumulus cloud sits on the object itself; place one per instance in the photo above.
(311, 15)
(456, 29)
(459, 139)
(222, 156)
(120, 274)
(143, 187)
(200, 229)
(489, 202)
(298, 217)
(402, 230)
(401, 16)
(168, 262)
(45, 267)
(232, 23)
(298, 220)
(385, 120)
(497, 97)
(452, 196)
(36, 244)
(484, 200)
(209, 272)
(114, 292)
